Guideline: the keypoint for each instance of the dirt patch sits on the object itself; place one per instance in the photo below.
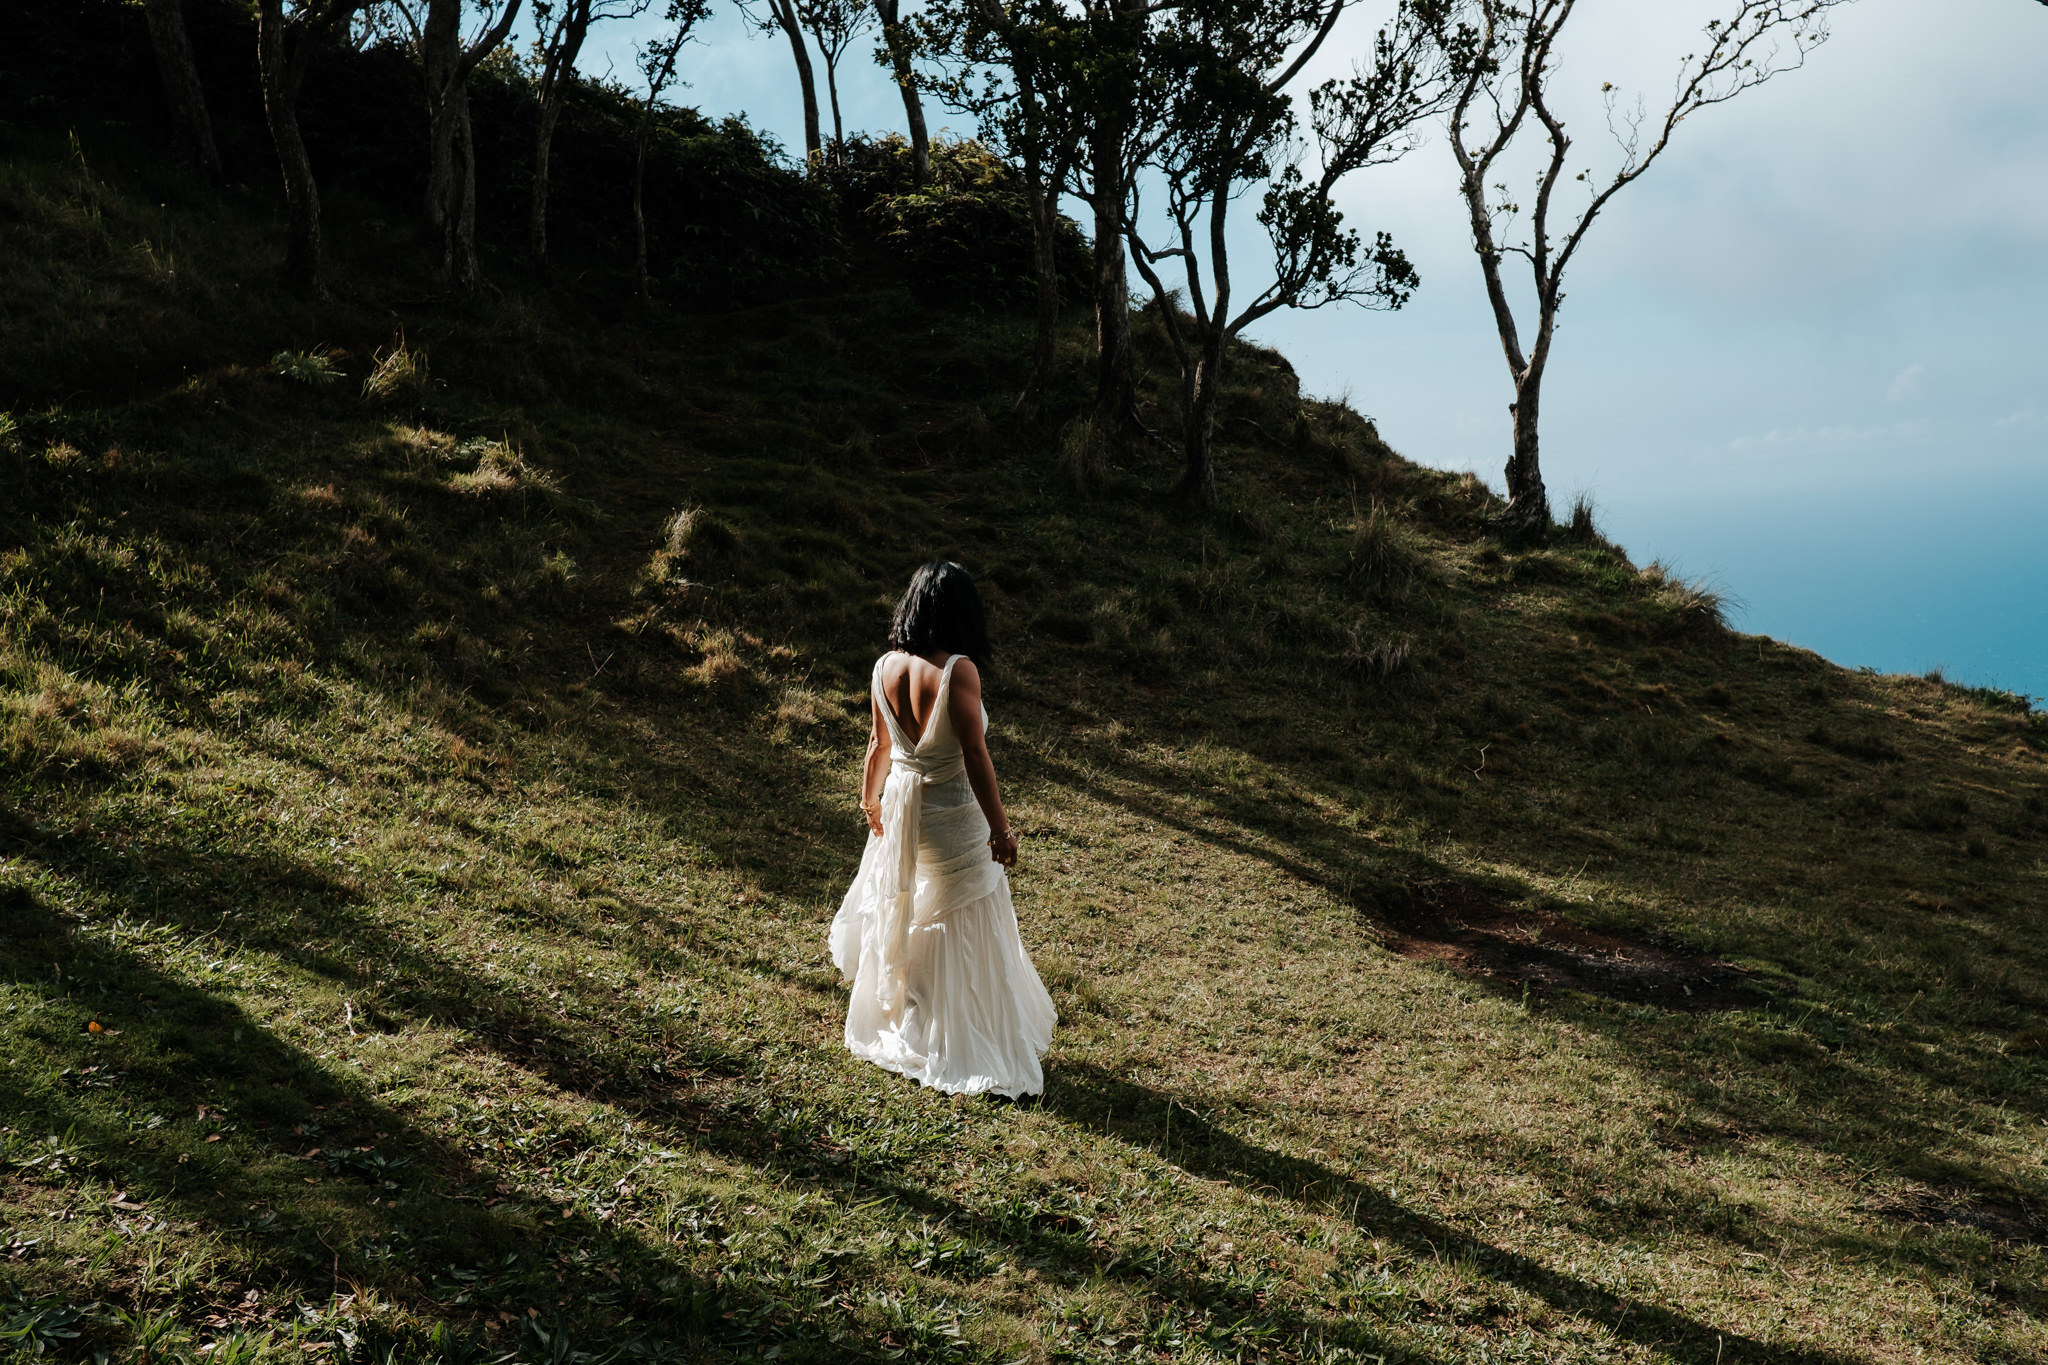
(1518, 947)
(2000, 1219)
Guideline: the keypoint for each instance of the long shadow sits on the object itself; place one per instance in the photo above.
(1835, 1114)
(284, 1101)
(1053, 1244)
(576, 1049)
(1132, 1113)
(384, 1205)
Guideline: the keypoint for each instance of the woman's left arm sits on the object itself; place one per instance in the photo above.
(981, 770)
(874, 769)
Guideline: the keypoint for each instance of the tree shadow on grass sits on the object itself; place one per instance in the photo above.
(328, 1226)
(1143, 1117)
(1790, 1085)
(203, 1123)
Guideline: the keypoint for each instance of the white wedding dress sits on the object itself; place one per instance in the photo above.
(943, 990)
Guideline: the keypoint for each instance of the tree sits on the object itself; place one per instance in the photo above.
(834, 24)
(1505, 88)
(1089, 80)
(284, 49)
(1107, 94)
(657, 62)
(562, 26)
(446, 62)
(783, 15)
(897, 46)
(1220, 72)
(1014, 73)
(182, 88)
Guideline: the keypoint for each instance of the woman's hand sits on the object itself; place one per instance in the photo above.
(1003, 848)
(873, 811)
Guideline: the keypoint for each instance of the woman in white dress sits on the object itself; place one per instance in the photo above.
(943, 990)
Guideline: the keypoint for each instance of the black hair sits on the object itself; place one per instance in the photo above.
(941, 609)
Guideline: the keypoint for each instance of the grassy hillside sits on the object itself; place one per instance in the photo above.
(427, 752)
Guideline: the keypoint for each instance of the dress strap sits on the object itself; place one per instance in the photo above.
(897, 738)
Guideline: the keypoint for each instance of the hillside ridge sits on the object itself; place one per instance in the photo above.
(427, 738)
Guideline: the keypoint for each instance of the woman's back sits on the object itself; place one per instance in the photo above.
(909, 687)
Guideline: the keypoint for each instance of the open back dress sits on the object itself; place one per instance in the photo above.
(943, 991)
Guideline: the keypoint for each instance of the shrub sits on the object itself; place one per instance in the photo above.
(964, 238)
(735, 224)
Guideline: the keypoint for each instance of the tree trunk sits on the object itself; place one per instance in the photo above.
(556, 73)
(182, 88)
(1528, 511)
(1199, 393)
(440, 58)
(832, 90)
(537, 214)
(640, 290)
(1115, 404)
(451, 149)
(1527, 516)
(785, 15)
(464, 271)
(1046, 271)
(302, 265)
(906, 82)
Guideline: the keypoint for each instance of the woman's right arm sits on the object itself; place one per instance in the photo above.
(874, 768)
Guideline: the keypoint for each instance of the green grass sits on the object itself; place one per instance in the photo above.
(437, 788)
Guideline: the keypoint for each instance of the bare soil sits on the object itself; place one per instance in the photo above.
(2001, 1219)
(1526, 948)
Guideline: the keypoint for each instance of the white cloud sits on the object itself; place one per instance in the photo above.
(1830, 439)
(1905, 384)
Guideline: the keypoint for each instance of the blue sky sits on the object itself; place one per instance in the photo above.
(1805, 358)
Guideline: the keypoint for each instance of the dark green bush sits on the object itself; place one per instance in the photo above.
(729, 218)
(962, 240)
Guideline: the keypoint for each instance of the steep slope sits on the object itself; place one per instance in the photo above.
(428, 742)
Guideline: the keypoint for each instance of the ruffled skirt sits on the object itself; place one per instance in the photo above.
(975, 1018)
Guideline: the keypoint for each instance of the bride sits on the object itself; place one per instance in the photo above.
(943, 990)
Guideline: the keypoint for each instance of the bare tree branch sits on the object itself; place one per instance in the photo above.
(1509, 72)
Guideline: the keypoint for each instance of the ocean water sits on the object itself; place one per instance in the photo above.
(1952, 574)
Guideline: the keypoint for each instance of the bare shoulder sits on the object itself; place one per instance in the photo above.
(966, 674)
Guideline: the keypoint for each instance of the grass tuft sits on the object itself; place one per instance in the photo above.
(696, 546)
(398, 374)
(312, 368)
(1684, 605)
(1386, 557)
(1082, 455)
